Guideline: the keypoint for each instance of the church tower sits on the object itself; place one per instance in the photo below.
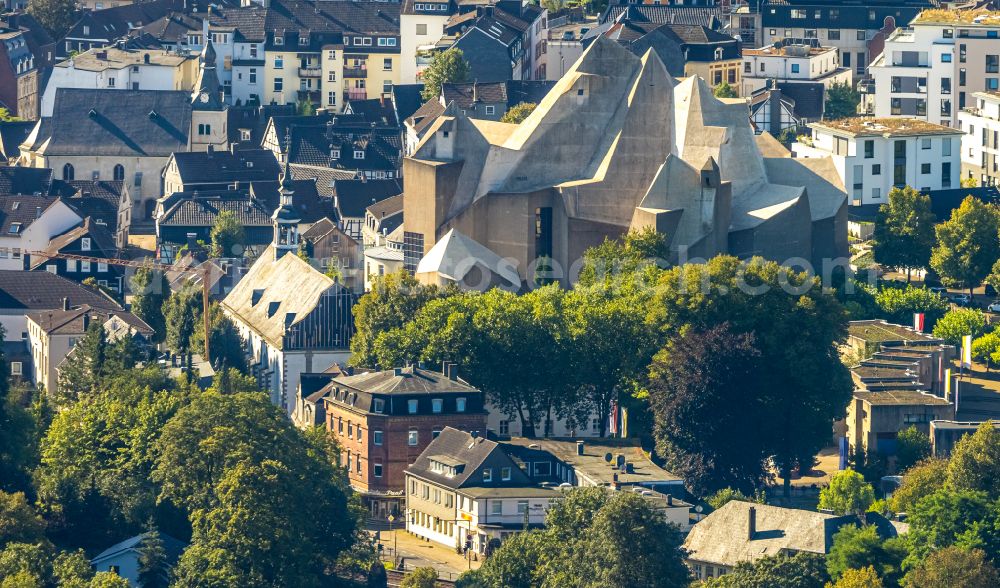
(208, 107)
(286, 220)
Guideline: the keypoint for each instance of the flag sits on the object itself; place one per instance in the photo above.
(947, 383)
(918, 322)
(967, 351)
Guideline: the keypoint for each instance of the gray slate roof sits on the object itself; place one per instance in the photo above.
(131, 123)
(21, 290)
(406, 381)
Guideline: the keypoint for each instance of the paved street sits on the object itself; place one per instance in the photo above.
(420, 553)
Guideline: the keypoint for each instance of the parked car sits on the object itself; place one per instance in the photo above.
(961, 299)
(994, 306)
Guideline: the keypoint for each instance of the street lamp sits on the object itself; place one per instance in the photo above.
(395, 540)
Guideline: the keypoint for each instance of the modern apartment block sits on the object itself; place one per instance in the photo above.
(873, 156)
(931, 69)
(980, 123)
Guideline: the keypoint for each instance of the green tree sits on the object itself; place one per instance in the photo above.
(986, 349)
(182, 311)
(709, 381)
(954, 566)
(861, 578)
(94, 479)
(952, 517)
(393, 300)
(154, 569)
(967, 244)
(18, 432)
(108, 580)
(228, 236)
(959, 322)
(5, 116)
(848, 493)
(921, 480)
(842, 101)
(904, 230)
(56, 16)
(912, 446)
(517, 113)
(420, 578)
(305, 107)
(802, 570)
(18, 521)
(899, 304)
(445, 67)
(726, 495)
(860, 547)
(149, 290)
(226, 344)
(994, 278)
(975, 461)
(776, 305)
(39, 565)
(724, 90)
(88, 366)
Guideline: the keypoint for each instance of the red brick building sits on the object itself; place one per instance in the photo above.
(384, 420)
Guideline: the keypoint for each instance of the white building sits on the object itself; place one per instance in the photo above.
(117, 69)
(791, 61)
(874, 155)
(421, 26)
(931, 69)
(292, 318)
(980, 125)
(29, 223)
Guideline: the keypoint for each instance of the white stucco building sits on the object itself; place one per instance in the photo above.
(421, 26)
(874, 155)
(29, 223)
(787, 61)
(980, 125)
(111, 68)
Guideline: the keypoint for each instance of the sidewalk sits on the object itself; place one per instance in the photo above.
(419, 553)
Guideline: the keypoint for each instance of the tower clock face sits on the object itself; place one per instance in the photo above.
(203, 97)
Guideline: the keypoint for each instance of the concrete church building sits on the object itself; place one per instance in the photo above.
(618, 144)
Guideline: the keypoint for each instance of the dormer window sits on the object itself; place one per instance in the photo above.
(488, 475)
(255, 297)
(279, 40)
(335, 154)
(411, 406)
(358, 154)
(378, 405)
(718, 54)
(303, 40)
(15, 228)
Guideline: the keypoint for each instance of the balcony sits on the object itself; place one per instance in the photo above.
(312, 71)
(355, 94)
(866, 86)
(356, 72)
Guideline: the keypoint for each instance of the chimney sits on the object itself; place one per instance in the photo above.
(397, 371)
(751, 523)
(65, 303)
(211, 150)
(579, 447)
(670, 500)
(38, 212)
(86, 321)
(453, 371)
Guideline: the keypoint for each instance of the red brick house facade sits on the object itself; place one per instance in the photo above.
(384, 420)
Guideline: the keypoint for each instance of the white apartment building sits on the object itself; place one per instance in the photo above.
(791, 61)
(30, 222)
(117, 69)
(931, 69)
(421, 26)
(873, 156)
(980, 125)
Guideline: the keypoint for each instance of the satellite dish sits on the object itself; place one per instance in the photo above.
(698, 508)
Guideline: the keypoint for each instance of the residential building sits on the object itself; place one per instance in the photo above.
(86, 239)
(23, 293)
(421, 26)
(218, 170)
(381, 219)
(114, 68)
(464, 490)
(333, 250)
(385, 256)
(980, 123)
(20, 73)
(779, 106)
(855, 29)
(685, 49)
(565, 44)
(708, 13)
(292, 318)
(29, 223)
(501, 41)
(555, 174)
(52, 335)
(792, 61)
(123, 558)
(873, 156)
(103, 27)
(184, 218)
(350, 145)
(931, 69)
(352, 198)
(384, 420)
(743, 532)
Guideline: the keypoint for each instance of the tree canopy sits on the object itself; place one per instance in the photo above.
(958, 323)
(842, 101)
(904, 230)
(968, 244)
(448, 66)
(56, 16)
(228, 236)
(848, 493)
(517, 113)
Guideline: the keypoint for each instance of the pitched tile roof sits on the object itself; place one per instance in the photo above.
(21, 290)
(25, 180)
(75, 320)
(709, 16)
(411, 380)
(188, 209)
(467, 454)
(354, 196)
(12, 134)
(138, 123)
(240, 165)
(407, 99)
(97, 199)
(17, 212)
(103, 241)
